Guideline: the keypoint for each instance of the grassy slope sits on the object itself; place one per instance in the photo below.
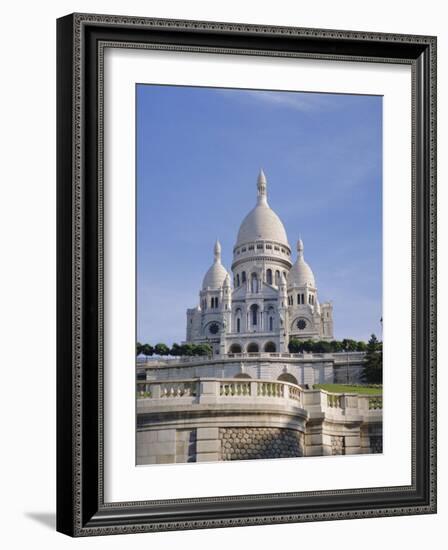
(345, 388)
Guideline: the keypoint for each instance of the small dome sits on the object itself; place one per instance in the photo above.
(301, 273)
(262, 223)
(216, 275)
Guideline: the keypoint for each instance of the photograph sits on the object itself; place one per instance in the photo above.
(246, 273)
(259, 269)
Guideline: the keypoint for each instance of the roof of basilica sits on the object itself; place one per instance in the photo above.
(262, 223)
(216, 275)
(301, 273)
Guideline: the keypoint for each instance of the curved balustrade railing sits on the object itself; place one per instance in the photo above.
(216, 390)
(219, 388)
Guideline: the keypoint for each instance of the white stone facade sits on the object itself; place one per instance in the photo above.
(269, 299)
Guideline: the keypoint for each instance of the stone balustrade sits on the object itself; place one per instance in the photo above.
(351, 404)
(338, 358)
(220, 391)
(208, 419)
(196, 390)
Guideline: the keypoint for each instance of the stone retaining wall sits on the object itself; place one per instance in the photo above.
(251, 443)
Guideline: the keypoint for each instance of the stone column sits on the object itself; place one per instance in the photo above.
(208, 445)
(208, 391)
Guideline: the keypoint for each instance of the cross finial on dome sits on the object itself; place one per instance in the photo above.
(262, 187)
(217, 251)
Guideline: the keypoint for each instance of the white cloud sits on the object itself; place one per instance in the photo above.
(298, 101)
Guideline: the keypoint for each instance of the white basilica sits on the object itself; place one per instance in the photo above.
(271, 299)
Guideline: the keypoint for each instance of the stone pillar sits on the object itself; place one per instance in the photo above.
(156, 391)
(208, 445)
(208, 391)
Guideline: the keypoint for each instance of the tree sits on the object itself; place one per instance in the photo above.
(187, 349)
(138, 348)
(336, 346)
(294, 345)
(176, 350)
(203, 350)
(161, 349)
(373, 367)
(361, 346)
(147, 350)
(307, 346)
(322, 347)
(348, 345)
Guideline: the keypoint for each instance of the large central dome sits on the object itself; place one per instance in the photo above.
(262, 223)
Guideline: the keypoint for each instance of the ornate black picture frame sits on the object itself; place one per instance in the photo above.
(81, 509)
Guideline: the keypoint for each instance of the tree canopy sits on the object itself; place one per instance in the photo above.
(322, 346)
(176, 350)
(373, 368)
(295, 346)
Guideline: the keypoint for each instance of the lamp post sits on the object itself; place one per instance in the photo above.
(346, 367)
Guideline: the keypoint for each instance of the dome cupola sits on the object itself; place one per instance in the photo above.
(217, 274)
(262, 223)
(301, 274)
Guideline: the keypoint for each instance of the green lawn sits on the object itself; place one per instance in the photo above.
(345, 388)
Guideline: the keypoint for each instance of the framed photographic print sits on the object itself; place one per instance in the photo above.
(246, 274)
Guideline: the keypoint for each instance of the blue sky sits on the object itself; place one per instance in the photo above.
(199, 151)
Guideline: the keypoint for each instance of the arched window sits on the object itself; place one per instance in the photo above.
(216, 302)
(269, 276)
(243, 277)
(253, 283)
(238, 279)
(269, 347)
(271, 324)
(235, 348)
(254, 314)
(238, 319)
(277, 277)
(242, 375)
(252, 348)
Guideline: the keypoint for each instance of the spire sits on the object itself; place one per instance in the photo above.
(262, 188)
(217, 251)
(300, 248)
